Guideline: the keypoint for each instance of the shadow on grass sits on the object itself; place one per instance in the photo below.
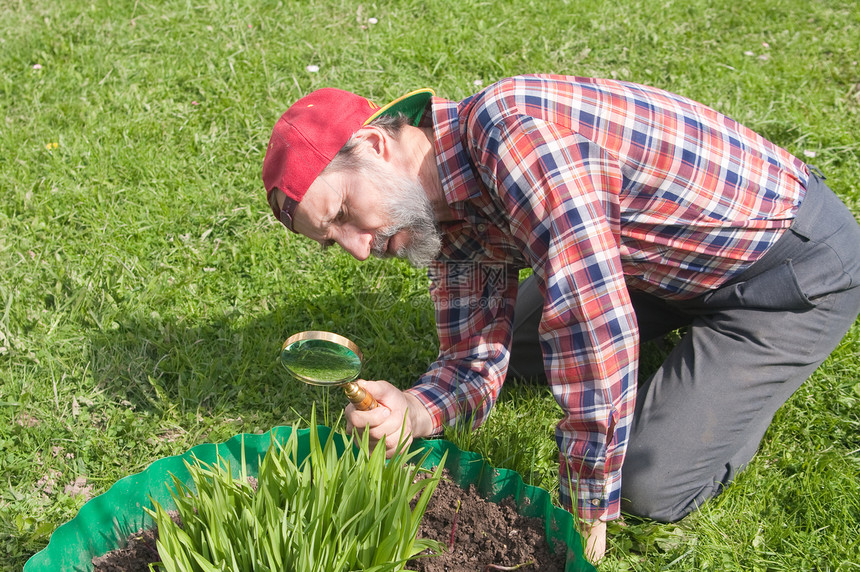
(229, 365)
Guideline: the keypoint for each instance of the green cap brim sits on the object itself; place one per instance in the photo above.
(412, 105)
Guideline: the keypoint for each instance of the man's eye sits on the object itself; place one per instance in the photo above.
(341, 214)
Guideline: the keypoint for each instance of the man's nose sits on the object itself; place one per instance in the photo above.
(357, 243)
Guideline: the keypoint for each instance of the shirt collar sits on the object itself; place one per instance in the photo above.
(456, 173)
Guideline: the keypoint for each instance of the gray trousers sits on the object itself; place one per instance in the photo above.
(747, 347)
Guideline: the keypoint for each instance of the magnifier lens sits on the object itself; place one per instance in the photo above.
(321, 362)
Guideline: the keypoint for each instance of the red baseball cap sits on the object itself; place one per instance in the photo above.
(311, 132)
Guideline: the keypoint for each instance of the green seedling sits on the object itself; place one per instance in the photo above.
(342, 508)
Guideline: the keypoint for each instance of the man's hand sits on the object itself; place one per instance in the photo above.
(594, 535)
(387, 420)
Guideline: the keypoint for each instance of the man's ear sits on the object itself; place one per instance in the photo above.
(374, 141)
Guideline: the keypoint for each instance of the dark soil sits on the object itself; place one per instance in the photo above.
(137, 555)
(485, 534)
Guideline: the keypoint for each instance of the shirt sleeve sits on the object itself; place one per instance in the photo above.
(474, 301)
(562, 193)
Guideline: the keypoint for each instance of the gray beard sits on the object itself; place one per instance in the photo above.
(409, 209)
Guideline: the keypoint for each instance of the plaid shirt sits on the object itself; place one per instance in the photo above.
(599, 187)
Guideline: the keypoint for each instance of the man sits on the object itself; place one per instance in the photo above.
(638, 212)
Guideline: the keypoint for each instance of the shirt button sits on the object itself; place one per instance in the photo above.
(482, 227)
(595, 502)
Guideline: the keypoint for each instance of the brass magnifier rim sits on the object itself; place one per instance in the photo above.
(326, 336)
(360, 398)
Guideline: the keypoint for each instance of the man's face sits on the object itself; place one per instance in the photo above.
(375, 210)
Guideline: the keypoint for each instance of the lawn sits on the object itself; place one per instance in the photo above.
(146, 288)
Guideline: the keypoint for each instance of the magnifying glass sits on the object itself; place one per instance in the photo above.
(327, 359)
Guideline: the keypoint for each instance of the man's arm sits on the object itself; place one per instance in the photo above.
(562, 192)
(474, 302)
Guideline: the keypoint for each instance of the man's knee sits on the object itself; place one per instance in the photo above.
(664, 497)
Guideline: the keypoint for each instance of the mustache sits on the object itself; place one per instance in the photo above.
(377, 249)
(381, 240)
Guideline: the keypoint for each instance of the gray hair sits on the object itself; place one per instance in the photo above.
(347, 159)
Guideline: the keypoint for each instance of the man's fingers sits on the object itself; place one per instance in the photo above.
(375, 420)
(383, 423)
(386, 434)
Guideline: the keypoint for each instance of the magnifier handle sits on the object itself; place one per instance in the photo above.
(360, 398)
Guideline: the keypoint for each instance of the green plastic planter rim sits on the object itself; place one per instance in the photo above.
(106, 521)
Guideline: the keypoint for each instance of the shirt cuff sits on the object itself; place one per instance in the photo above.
(431, 397)
(593, 499)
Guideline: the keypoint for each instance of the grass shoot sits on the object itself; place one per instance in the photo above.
(341, 508)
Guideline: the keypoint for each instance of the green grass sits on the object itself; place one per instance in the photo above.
(146, 289)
